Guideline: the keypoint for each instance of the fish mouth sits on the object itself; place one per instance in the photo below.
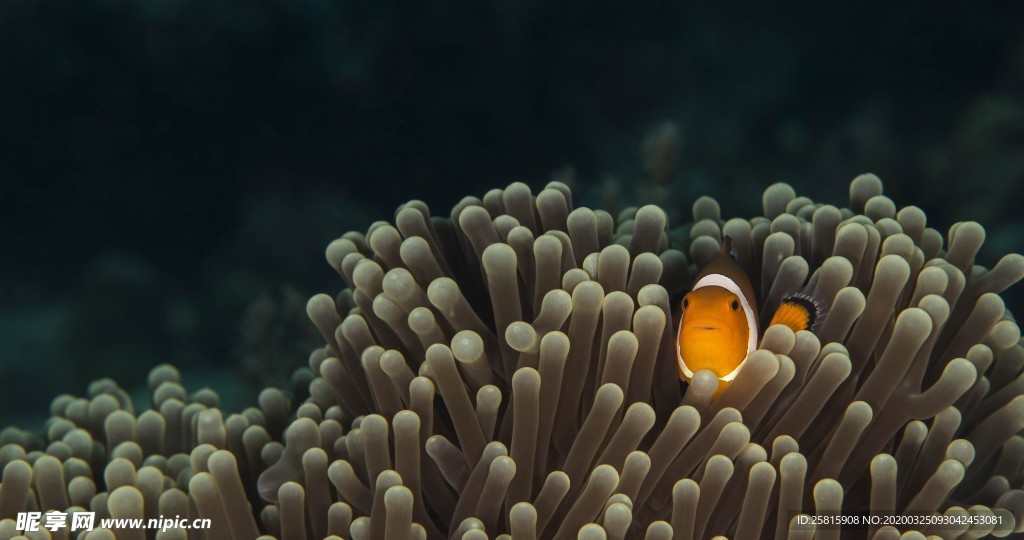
(706, 327)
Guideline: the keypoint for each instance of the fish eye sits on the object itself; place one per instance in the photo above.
(686, 302)
(735, 305)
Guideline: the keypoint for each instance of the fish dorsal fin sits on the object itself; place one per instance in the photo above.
(726, 246)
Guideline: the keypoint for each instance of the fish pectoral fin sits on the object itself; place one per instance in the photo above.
(798, 312)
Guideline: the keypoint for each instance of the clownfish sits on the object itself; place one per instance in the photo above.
(718, 328)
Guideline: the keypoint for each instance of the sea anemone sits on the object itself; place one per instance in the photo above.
(511, 371)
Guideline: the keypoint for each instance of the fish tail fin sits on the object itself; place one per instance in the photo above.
(799, 312)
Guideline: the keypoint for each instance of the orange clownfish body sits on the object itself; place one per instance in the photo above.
(719, 327)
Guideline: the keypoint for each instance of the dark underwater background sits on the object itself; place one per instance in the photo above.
(171, 170)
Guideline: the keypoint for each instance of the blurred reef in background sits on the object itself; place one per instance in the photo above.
(171, 171)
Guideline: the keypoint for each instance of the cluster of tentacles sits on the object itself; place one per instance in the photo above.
(510, 370)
